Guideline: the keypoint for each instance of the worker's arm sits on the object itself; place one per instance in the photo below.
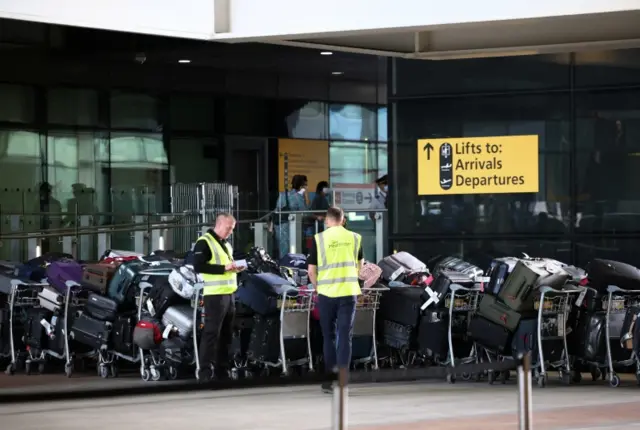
(360, 259)
(201, 258)
(313, 278)
(312, 263)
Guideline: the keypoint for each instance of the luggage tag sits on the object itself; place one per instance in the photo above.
(580, 298)
(167, 331)
(433, 298)
(150, 308)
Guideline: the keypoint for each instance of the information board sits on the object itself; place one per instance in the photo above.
(354, 197)
(303, 157)
(478, 165)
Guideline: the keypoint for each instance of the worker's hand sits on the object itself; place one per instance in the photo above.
(230, 268)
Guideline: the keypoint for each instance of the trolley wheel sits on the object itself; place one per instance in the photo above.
(576, 377)
(234, 375)
(466, 376)
(173, 373)
(27, 368)
(68, 369)
(614, 381)
(451, 378)
(104, 371)
(247, 374)
(492, 377)
(11, 369)
(146, 375)
(595, 374)
(542, 381)
(155, 375)
(113, 370)
(565, 378)
(41, 367)
(505, 376)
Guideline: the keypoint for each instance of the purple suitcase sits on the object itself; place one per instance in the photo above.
(59, 272)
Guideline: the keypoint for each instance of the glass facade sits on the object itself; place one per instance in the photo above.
(584, 107)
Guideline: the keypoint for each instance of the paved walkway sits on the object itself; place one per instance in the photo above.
(410, 406)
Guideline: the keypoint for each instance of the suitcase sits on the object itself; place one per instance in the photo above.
(520, 288)
(97, 276)
(180, 318)
(590, 342)
(101, 308)
(603, 273)
(262, 292)
(492, 309)
(295, 261)
(490, 335)
(147, 335)
(397, 336)
(35, 333)
(176, 352)
(397, 267)
(161, 297)
(439, 288)
(498, 272)
(122, 335)
(264, 344)
(59, 272)
(122, 287)
(457, 265)
(5, 333)
(51, 299)
(370, 274)
(183, 280)
(629, 328)
(92, 332)
(401, 305)
(433, 332)
(35, 269)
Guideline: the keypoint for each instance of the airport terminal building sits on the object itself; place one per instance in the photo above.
(502, 130)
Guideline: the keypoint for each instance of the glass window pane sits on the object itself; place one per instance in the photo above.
(17, 103)
(134, 110)
(383, 134)
(352, 122)
(353, 162)
(72, 107)
(74, 168)
(618, 249)
(192, 112)
(602, 68)
(533, 72)
(21, 167)
(139, 170)
(305, 120)
(248, 116)
(194, 160)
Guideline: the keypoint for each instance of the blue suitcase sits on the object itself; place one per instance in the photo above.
(122, 287)
(262, 292)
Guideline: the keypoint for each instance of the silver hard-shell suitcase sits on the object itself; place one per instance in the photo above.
(50, 299)
(180, 317)
(396, 267)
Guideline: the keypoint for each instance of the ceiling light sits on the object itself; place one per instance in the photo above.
(326, 53)
(184, 61)
(337, 73)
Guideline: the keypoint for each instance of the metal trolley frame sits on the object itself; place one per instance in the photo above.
(631, 298)
(150, 365)
(559, 305)
(465, 302)
(364, 323)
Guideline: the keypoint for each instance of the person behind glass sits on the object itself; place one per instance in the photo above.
(291, 201)
(213, 260)
(334, 263)
(320, 203)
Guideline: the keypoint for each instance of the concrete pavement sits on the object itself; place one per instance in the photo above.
(411, 406)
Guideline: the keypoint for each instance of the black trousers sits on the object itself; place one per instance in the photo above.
(218, 331)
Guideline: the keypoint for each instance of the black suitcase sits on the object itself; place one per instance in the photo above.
(401, 305)
(90, 331)
(433, 334)
(101, 308)
(492, 309)
(498, 273)
(265, 342)
(176, 352)
(35, 334)
(397, 336)
(435, 293)
(5, 332)
(590, 342)
(398, 266)
(122, 335)
(162, 297)
(490, 335)
(603, 273)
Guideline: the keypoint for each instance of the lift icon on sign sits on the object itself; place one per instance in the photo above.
(446, 166)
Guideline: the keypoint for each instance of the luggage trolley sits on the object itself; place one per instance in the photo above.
(461, 300)
(23, 295)
(72, 300)
(364, 323)
(631, 298)
(553, 302)
(150, 365)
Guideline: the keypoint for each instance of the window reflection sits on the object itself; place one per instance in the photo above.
(194, 160)
(382, 124)
(352, 122)
(134, 111)
(17, 103)
(353, 162)
(20, 164)
(72, 107)
(308, 122)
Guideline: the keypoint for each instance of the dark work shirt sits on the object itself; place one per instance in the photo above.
(313, 253)
(202, 255)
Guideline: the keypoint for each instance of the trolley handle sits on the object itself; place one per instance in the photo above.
(614, 289)
(377, 289)
(457, 287)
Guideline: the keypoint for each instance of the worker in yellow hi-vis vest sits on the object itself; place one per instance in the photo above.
(213, 260)
(334, 263)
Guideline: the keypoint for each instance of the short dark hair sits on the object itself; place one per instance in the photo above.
(321, 186)
(298, 181)
(382, 180)
(335, 213)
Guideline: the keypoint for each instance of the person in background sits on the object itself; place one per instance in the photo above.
(49, 210)
(382, 188)
(334, 263)
(291, 201)
(213, 260)
(320, 203)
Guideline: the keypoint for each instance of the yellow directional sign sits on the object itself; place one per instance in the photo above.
(478, 165)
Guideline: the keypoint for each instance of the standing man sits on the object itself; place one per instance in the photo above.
(213, 260)
(334, 263)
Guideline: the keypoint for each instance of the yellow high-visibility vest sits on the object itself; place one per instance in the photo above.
(226, 283)
(338, 250)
